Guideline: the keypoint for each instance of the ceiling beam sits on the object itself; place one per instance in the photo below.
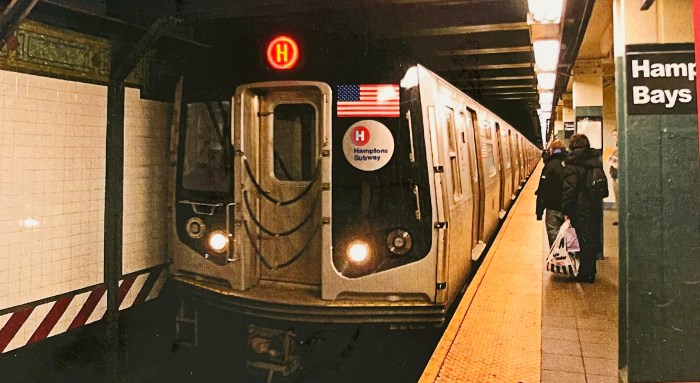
(122, 66)
(458, 30)
(484, 51)
(457, 67)
(512, 86)
(498, 78)
(509, 97)
(507, 92)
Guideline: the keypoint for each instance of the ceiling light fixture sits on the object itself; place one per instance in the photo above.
(545, 11)
(546, 54)
(546, 97)
(546, 80)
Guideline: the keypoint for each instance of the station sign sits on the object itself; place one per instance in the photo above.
(569, 129)
(661, 79)
(368, 145)
(282, 53)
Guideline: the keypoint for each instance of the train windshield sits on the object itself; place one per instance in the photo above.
(207, 160)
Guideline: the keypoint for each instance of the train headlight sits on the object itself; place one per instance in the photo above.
(399, 242)
(218, 241)
(358, 252)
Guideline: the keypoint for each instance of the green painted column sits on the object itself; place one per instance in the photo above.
(659, 195)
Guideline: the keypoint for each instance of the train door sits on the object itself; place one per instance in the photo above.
(515, 159)
(491, 176)
(438, 133)
(461, 207)
(504, 162)
(282, 136)
(477, 186)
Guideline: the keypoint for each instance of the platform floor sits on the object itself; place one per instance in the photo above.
(519, 323)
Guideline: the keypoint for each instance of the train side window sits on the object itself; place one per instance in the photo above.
(505, 147)
(454, 158)
(294, 136)
(470, 123)
(487, 149)
(207, 147)
(464, 153)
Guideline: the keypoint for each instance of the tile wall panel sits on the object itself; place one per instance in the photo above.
(52, 177)
(146, 177)
(52, 170)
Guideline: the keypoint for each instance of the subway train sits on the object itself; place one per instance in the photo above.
(337, 196)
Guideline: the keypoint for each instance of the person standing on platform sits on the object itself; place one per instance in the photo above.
(614, 164)
(549, 192)
(584, 209)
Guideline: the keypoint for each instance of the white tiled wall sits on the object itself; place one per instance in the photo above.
(52, 177)
(146, 177)
(52, 170)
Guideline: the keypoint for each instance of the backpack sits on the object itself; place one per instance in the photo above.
(596, 183)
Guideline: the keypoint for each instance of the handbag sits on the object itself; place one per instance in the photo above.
(560, 260)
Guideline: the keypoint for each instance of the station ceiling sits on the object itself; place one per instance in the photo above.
(481, 46)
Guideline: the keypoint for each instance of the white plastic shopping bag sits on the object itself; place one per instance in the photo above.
(560, 260)
(572, 245)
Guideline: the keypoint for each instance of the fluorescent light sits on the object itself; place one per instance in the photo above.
(546, 80)
(545, 11)
(546, 97)
(546, 55)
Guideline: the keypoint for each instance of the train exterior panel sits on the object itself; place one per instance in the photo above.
(328, 207)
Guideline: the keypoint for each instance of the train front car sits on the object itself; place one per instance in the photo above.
(313, 202)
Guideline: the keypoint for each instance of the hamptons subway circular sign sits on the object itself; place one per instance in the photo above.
(368, 145)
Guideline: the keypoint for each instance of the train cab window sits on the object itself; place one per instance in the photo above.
(454, 158)
(294, 136)
(487, 149)
(205, 166)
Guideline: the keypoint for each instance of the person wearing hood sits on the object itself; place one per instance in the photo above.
(584, 210)
(549, 192)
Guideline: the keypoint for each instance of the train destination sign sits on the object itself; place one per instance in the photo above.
(368, 145)
(661, 79)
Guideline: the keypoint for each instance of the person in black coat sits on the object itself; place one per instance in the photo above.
(549, 192)
(584, 210)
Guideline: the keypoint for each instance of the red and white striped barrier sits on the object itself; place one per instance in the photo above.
(33, 323)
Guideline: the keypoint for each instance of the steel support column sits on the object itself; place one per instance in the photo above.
(12, 16)
(122, 64)
(114, 203)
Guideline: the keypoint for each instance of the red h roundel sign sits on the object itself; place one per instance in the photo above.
(282, 53)
(360, 136)
(368, 145)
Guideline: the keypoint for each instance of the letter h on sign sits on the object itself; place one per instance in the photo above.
(360, 136)
(282, 52)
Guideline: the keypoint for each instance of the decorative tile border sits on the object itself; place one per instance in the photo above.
(53, 52)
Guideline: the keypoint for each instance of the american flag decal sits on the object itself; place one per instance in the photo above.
(368, 100)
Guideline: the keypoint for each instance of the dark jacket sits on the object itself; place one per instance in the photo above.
(549, 192)
(585, 211)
